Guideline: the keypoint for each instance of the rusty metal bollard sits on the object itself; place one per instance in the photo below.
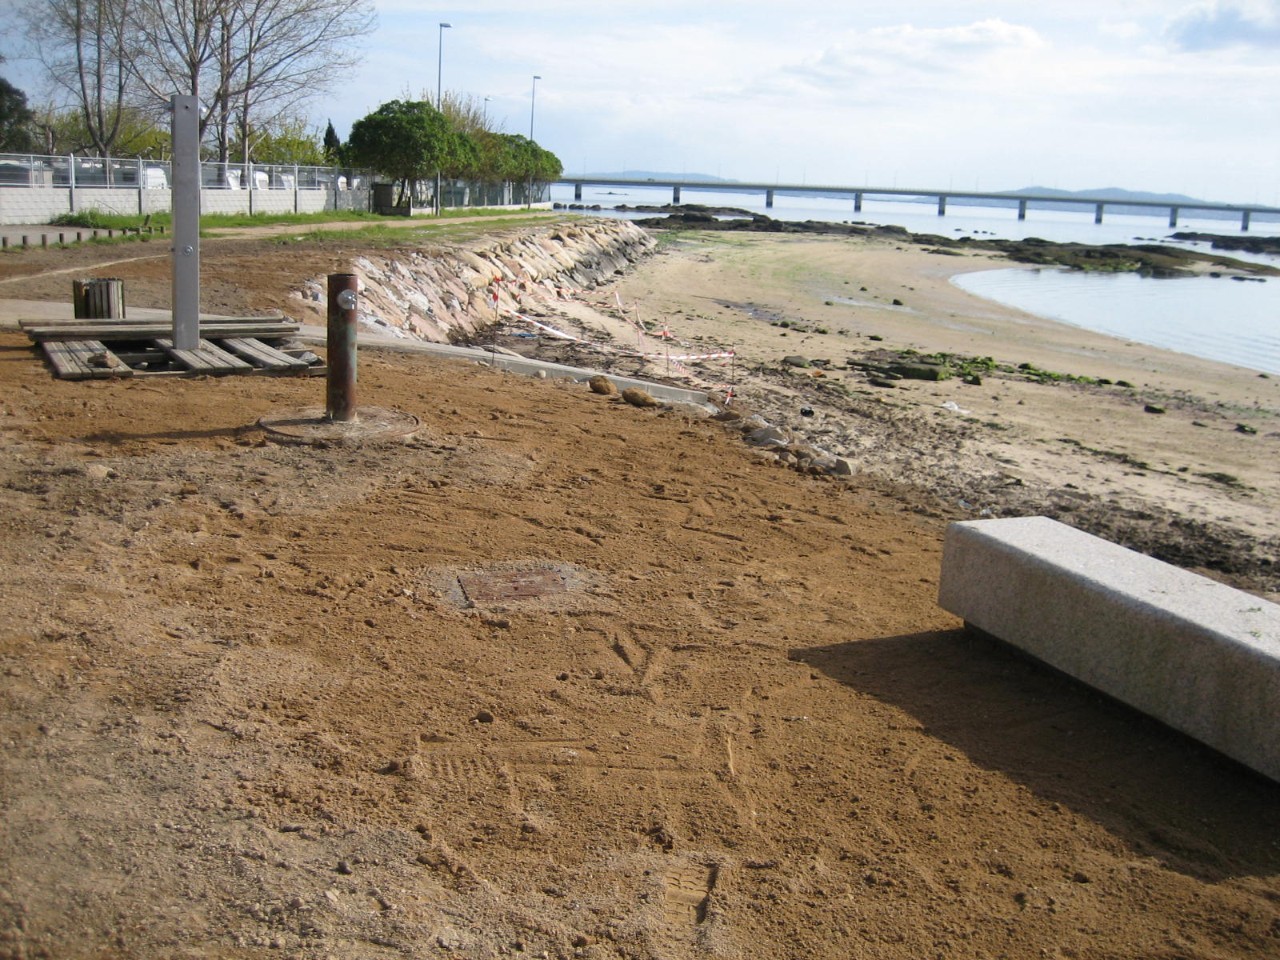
(340, 391)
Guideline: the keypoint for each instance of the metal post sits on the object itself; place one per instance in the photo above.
(185, 203)
(71, 183)
(439, 109)
(340, 391)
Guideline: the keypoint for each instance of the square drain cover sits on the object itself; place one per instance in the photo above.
(499, 586)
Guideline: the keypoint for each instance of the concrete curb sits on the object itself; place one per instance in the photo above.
(502, 360)
(1195, 654)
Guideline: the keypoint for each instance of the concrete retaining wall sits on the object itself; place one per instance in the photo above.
(448, 294)
(1195, 654)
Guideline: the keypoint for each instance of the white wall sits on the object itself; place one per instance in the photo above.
(19, 205)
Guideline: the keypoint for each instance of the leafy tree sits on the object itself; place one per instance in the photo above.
(287, 142)
(407, 140)
(16, 119)
(138, 133)
(334, 152)
(521, 159)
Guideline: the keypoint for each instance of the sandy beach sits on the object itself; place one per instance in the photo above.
(1092, 454)
(264, 700)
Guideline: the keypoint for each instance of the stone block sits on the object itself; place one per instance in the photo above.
(1195, 654)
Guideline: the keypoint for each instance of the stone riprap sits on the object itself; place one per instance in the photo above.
(445, 293)
(1197, 655)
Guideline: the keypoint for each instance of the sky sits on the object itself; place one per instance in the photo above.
(1163, 95)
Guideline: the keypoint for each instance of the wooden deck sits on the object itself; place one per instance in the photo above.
(99, 349)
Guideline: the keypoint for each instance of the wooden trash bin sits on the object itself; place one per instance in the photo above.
(98, 299)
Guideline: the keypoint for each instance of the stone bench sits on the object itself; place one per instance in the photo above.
(1199, 656)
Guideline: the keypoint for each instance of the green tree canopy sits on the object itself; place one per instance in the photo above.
(521, 159)
(137, 133)
(285, 142)
(334, 151)
(16, 118)
(407, 140)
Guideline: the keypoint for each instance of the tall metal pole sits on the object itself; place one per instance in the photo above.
(185, 200)
(533, 99)
(439, 97)
(440, 65)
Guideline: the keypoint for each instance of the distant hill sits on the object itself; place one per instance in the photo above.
(1117, 194)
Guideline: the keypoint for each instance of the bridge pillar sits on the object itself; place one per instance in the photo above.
(577, 191)
(1022, 209)
(1244, 219)
(857, 203)
(1097, 213)
(942, 206)
(768, 199)
(1173, 216)
(675, 195)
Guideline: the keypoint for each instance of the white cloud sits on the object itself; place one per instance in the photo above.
(1221, 24)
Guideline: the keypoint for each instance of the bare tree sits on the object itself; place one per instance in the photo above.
(248, 61)
(86, 46)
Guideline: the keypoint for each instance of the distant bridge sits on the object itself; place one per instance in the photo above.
(857, 195)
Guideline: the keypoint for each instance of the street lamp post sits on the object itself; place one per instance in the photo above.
(440, 65)
(533, 99)
(440, 96)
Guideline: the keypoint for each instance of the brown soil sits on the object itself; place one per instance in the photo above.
(558, 677)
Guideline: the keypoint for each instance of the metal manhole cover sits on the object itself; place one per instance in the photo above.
(498, 586)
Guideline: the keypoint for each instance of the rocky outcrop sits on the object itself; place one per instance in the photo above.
(447, 293)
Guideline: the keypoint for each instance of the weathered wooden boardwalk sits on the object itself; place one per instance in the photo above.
(100, 349)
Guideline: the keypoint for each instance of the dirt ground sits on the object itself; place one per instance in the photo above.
(262, 700)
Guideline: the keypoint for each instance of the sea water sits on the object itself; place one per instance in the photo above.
(1236, 322)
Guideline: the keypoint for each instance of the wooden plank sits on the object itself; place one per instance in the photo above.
(204, 321)
(262, 355)
(67, 364)
(206, 358)
(84, 360)
(149, 331)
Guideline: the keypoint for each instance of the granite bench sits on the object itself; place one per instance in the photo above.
(1195, 654)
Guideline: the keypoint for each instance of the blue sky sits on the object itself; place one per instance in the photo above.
(1165, 95)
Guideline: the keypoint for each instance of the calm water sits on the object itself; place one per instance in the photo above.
(1228, 320)
(1220, 319)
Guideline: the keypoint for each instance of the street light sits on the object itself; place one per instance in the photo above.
(533, 99)
(484, 114)
(439, 98)
(440, 64)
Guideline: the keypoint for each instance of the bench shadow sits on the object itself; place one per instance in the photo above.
(1160, 792)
